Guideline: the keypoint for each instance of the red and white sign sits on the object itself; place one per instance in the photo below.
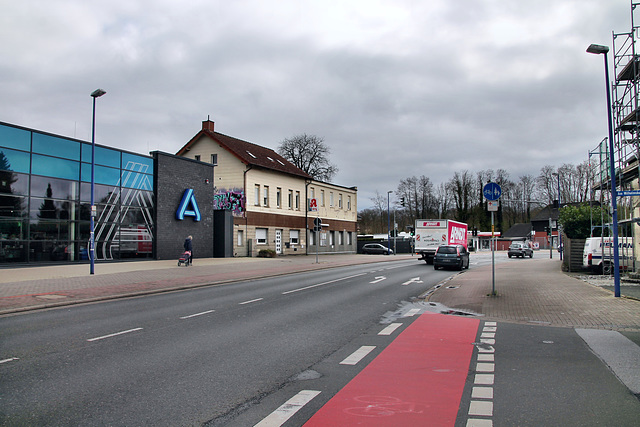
(457, 233)
(434, 224)
(313, 205)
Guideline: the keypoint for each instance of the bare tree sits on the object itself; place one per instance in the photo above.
(309, 153)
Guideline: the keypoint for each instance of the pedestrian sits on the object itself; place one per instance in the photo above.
(188, 246)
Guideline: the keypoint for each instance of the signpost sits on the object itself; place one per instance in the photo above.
(492, 193)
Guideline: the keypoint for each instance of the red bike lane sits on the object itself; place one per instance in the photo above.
(417, 380)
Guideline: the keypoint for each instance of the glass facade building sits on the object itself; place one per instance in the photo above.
(45, 199)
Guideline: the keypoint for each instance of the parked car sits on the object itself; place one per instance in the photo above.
(376, 248)
(451, 256)
(520, 249)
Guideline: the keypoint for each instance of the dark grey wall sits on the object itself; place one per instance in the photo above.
(172, 176)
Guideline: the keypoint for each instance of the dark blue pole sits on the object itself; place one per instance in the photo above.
(614, 191)
(93, 160)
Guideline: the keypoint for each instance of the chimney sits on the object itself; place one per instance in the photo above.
(207, 125)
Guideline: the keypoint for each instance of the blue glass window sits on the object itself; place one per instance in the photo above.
(14, 183)
(104, 156)
(60, 189)
(136, 163)
(15, 138)
(103, 175)
(140, 181)
(55, 146)
(12, 160)
(57, 168)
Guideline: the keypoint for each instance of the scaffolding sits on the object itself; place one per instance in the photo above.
(626, 121)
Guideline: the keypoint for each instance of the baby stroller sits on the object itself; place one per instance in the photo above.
(184, 258)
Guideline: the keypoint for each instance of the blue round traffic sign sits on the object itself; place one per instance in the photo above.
(492, 191)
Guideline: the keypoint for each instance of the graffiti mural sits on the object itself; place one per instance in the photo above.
(230, 200)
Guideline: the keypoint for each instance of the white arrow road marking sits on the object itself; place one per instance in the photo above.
(9, 360)
(379, 279)
(414, 280)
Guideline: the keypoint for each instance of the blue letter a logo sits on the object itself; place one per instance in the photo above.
(188, 199)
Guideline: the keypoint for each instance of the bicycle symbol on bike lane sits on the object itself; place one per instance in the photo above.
(384, 406)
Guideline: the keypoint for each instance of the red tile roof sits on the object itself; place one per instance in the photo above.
(246, 152)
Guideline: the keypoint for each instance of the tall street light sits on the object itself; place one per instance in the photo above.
(604, 50)
(92, 243)
(558, 222)
(388, 223)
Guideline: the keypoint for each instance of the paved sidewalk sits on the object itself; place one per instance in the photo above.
(29, 288)
(536, 291)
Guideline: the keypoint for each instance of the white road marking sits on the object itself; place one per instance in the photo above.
(197, 314)
(485, 358)
(390, 329)
(8, 360)
(250, 301)
(483, 379)
(414, 280)
(488, 335)
(481, 408)
(482, 393)
(114, 335)
(478, 422)
(322, 284)
(379, 279)
(412, 312)
(358, 355)
(288, 409)
(485, 367)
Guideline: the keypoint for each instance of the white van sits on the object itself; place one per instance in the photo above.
(598, 256)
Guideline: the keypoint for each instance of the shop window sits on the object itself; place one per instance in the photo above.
(55, 146)
(103, 156)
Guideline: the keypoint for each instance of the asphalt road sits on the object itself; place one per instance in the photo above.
(191, 357)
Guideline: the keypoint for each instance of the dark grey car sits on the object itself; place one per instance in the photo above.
(376, 248)
(456, 256)
(519, 249)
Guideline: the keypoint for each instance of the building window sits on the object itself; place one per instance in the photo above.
(265, 201)
(278, 197)
(297, 200)
(197, 157)
(214, 159)
(257, 197)
(341, 237)
(290, 199)
(312, 193)
(294, 237)
(349, 237)
(261, 236)
(312, 237)
(321, 197)
(240, 237)
(348, 203)
(339, 201)
(331, 199)
(332, 238)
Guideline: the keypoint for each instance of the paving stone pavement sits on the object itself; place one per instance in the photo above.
(536, 291)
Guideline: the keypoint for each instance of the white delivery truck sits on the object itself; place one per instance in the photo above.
(431, 233)
(598, 254)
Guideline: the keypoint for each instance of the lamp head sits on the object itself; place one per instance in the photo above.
(597, 49)
(98, 93)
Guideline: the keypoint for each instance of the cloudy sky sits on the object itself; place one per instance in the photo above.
(396, 88)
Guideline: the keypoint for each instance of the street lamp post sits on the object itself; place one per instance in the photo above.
(558, 222)
(388, 223)
(92, 243)
(604, 50)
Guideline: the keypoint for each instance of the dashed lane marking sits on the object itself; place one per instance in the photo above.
(251, 301)
(8, 360)
(197, 314)
(390, 329)
(358, 355)
(288, 409)
(114, 334)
